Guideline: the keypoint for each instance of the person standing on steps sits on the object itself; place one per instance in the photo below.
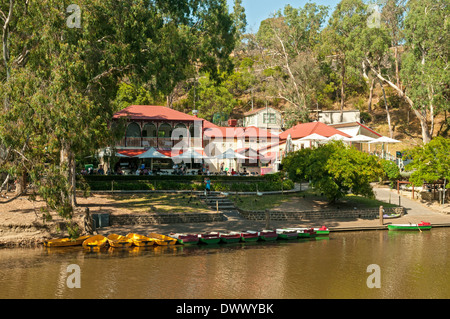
(207, 185)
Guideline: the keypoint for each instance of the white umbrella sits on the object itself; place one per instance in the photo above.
(120, 155)
(361, 139)
(313, 137)
(189, 154)
(338, 137)
(384, 139)
(152, 153)
(230, 154)
(288, 146)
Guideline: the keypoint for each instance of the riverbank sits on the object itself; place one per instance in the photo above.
(22, 225)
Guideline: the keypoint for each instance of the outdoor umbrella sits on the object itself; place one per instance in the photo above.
(313, 137)
(338, 137)
(230, 154)
(361, 139)
(152, 153)
(120, 155)
(188, 155)
(384, 140)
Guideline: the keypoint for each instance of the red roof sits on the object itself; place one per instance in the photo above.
(154, 112)
(305, 129)
(131, 152)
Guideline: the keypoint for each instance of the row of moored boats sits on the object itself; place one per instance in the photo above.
(133, 239)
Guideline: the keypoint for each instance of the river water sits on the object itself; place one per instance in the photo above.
(404, 265)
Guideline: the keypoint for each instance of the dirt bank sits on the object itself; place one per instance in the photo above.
(22, 223)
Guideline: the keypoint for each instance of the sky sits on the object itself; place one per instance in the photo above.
(259, 10)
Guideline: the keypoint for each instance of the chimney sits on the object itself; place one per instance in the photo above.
(232, 122)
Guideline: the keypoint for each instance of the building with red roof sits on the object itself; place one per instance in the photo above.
(304, 129)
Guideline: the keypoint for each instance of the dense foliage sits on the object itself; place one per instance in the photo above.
(335, 170)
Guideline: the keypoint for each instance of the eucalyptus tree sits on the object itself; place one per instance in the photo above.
(424, 70)
(339, 40)
(60, 95)
(287, 42)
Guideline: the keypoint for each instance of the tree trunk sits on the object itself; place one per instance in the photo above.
(67, 164)
(388, 115)
(342, 88)
(421, 115)
(369, 106)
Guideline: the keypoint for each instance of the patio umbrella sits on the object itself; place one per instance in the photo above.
(230, 154)
(338, 137)
(288, 146)
(314, 137)
(384, 140)
(189, 154)
(361, 139)
(120, 155)
(152, 153)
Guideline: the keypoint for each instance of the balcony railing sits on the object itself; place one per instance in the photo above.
(158, 142)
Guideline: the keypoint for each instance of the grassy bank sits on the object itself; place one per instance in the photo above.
(163, 203)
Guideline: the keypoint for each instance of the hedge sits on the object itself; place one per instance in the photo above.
(174, 185)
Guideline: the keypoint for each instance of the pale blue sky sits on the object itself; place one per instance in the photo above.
(258, 10)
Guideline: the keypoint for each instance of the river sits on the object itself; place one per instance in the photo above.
(398, 264)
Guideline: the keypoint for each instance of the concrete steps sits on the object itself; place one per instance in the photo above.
(217, 202)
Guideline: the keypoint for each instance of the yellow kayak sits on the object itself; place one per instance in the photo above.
(141, 240)
(162, 240)
(64, 242)
(119, 241)
(97, 241)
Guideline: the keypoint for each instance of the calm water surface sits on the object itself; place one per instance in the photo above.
(412, 265)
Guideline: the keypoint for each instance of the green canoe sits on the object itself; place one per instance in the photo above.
(420, 226)
(231, 237)
(209, 238)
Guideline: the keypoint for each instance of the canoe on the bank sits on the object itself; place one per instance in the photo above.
(230, 237)
(185, 239)
(419, 226)
(249, 236)
(141, 240)
(97, 241)
(65, 242)
(119, 241)
(304, 232)
(286, 233)
(389, 216)
(268, 235)
(209, 238)
(162, 240)
(321, 231)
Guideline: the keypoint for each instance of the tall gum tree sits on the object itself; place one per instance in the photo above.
(74, 74)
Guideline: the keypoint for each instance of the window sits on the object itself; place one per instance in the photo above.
(149, 130)
(165, 130)
(133, 130)
(269, 118)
